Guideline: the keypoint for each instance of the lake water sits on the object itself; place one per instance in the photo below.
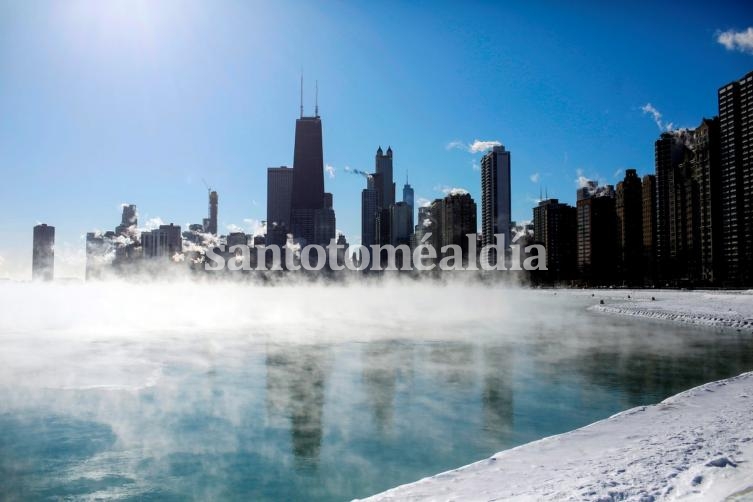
(312, 393)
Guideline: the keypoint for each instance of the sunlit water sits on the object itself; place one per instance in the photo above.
(231, 393)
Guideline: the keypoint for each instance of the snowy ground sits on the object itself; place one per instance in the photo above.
(719, 309)
(697, 445)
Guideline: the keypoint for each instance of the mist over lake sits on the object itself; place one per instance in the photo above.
(221, 391)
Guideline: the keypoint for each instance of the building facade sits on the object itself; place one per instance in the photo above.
(43, 253)
(495, 196)
(279, 195)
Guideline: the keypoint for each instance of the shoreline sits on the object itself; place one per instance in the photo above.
(664, 451)
(723, 309)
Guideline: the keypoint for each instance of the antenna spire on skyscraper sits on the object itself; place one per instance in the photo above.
(316, 100)
(301, 93)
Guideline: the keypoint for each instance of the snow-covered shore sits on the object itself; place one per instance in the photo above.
(696, 445)
(718, 309)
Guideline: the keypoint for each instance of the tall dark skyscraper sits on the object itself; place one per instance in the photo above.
(279, 194)
(308, 178)
(705, 165)
(669, 152)
(495, 195)
(736, 166)
(368, 216)
(408, 198)
(458, 219)
(384, 179)
(43, 253)
(648, 208)
(629, 208)
(597, 237)
(400, 223)
(210, 223)
(555, 226)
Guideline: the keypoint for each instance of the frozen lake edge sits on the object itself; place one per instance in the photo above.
(695, 445)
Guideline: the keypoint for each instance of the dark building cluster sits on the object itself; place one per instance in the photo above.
(688, 224)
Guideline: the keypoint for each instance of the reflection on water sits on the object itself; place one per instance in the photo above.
(231, 416)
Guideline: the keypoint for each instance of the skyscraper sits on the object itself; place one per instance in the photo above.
(408, 198)
(210, 223)
(308, 178)
(597, 237)
(736, 166)
(495, 195)
(43, 253)
(458, 220)
(400, 223)
(279, 193)
(555, 226)
(648, 208)
(706, 168)
(165, 241)
(629, 210)
(383, 168)
(325, 225)
(669, 151)
(368, 216)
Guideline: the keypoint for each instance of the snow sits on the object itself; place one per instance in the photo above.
(718, 309)
(696, 445)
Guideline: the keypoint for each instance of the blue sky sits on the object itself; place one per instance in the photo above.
(103, 103)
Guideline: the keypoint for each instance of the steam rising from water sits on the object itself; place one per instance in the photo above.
(222, 391)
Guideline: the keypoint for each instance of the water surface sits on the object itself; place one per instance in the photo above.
(328, 404)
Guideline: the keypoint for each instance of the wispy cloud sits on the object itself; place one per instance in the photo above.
(423, 202)
(619, 173)
(535, 177)
(234, 229)
(456, 144)
(649, 109)
(741, 41)
(330, 170)
(477, 146)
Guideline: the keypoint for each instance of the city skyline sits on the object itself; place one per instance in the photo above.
(440, 158)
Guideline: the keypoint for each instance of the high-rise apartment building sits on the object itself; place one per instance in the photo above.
(629, 212)
(598, 257)
(555, 226)
(736, 173)
(648, 210)
(495, 196)
(458, 219)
